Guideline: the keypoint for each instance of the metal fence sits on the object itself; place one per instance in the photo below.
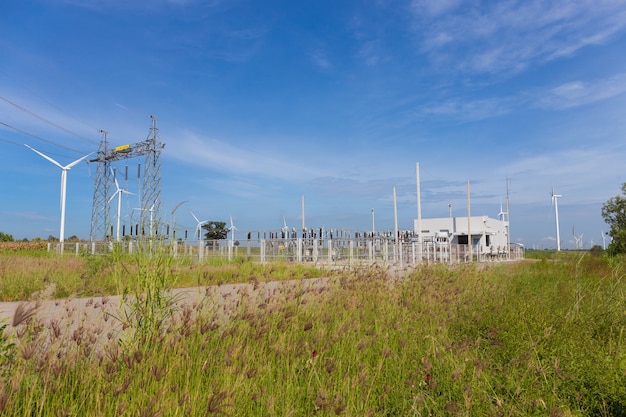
(343, 251)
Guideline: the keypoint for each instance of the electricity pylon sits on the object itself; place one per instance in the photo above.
(150, 149)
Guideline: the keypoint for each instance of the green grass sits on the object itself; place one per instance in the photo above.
(536, 338)
(23, 274)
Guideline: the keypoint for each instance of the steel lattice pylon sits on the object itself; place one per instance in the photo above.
(100, 206)
(150, 193)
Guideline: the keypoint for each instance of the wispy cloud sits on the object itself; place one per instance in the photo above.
(579, 93)
(470, 110)
(319, 57)
(103, 5)
(220, 156)
(508, 36)
(580, 169)
(568, 95)
(371, 52)
(433, 8)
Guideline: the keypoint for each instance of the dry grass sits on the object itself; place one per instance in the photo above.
(540, 338)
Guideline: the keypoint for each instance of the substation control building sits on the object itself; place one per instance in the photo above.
(488, 236)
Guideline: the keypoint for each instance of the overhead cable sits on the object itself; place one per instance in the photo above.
(48, 121)
(39, 138)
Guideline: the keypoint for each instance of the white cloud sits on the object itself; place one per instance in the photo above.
(220, 156)
(319, 57)
(579, 93)
(471, 109)
(433, 8)
(580, 173)
(507, 36)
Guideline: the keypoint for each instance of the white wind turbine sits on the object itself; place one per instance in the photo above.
(151, 210)
(199, 225)
(555, 201)
(285, 229)
(64, 170)
(232, 229)
(502, 213)
(606, 236)
(119, 191)
(579, 241)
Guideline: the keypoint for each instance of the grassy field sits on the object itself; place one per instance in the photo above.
(28, 268)
(542, 337)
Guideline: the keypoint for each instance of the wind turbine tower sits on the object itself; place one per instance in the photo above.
(119, 191)
(555, 201)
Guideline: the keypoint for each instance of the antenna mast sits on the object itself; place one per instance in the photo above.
(555, 199)
(508, 221)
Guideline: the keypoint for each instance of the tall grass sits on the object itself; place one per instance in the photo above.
(24, 276)
(534, 338)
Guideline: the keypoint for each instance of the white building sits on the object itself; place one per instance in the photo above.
(488, 236)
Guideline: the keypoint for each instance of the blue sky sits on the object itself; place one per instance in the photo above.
(259, 103)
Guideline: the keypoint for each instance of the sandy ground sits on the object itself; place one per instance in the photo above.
(101, 318)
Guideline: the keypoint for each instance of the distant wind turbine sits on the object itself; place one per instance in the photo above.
(555, 202)
(285, 229)
(151, 210)
(232, 229)
(64, 170)
(502, 214)
(199, 225)
(579, 241)
(119, 191)
(603, 239)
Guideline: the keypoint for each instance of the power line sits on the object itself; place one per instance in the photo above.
(39, 137)
(48, 121)
(9, 141)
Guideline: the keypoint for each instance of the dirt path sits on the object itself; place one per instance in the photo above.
(98, 318)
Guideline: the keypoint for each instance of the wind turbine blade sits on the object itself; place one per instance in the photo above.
(114, 194)
(117, 185)
(78, 160)
(45, 156)
(194, 216)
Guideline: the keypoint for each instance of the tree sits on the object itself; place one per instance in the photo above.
(215, 230)
(614, 214)
(5, 237)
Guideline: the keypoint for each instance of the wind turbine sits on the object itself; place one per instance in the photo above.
(555, 201)
(151, 210)
(285, 229)
(603, 239)
(502, 213)
(579, 241)
(64, 170)
(200, 224)
(232, 229)
(119, 191)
